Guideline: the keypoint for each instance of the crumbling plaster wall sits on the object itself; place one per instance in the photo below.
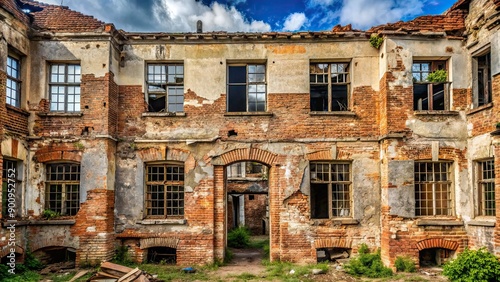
(205, 65)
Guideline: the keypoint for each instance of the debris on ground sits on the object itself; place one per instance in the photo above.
(119, 273)
(57, 267)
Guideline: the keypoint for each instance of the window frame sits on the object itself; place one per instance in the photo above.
(433, 65)
(330, 83)
(340, 211)
(449, 184)
(476, 68)
(14, 80)
(148, 208)
(65, 186)
(65, 85)
(247, 85)
(481, 182)
(166, 84)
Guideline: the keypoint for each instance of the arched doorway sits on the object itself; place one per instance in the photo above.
(247, 211)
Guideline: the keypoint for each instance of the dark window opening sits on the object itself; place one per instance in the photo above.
(50, 255)
(329, 87)
(62, 188)
(429, 96)
(330, 190)
(165, 85)
(433, 189)
(246, 88)
(162, 255)
(434, 257)
(483, 75)
(486, 188)
(164, 190)
(332, 254)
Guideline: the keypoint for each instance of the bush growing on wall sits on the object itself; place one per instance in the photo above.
(473, 266)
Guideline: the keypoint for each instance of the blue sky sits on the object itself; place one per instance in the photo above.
(252, 15)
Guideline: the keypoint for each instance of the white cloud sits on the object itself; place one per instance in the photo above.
(182, 15)
(367, 13)
(323, 3)
(294, 21)
(166, 15)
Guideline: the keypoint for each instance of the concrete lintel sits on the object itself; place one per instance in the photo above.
(40, 222)
(163, 222)
(481, 223)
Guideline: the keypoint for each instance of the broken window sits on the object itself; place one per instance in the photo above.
(165, 83)
(433, 193)
(246, 88)
(164, 190)
(330, 189)
(486, 187)
(429, 95)
(62, 188)
(64, 87)
(329, 87)
(482, 80)
(13, 82)
(11, 185)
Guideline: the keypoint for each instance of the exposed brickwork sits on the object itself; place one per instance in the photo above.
(17, 120)
(94, 227)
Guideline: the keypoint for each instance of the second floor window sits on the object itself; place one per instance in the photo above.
(482, 80)
(246, 88)
(429, 94)
(64, 87)
(13, 82)
(329, 87)
(433, 189)
(164, 190)
(165, 83)
(486, 187)
(330, 190)
(62, 188)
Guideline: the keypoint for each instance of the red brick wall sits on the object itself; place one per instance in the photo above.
(17, 120)
(484, 121)
(95, 227)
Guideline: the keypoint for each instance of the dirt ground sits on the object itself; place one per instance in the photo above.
(250, 261)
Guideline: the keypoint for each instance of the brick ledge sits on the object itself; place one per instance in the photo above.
(437, 222)
(163, 222)
(40, 222)
(481, 223)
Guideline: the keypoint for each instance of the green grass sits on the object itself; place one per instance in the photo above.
(281, 271)
(175, 273)
(26, 276)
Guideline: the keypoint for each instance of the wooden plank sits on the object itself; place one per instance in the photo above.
(131, 276)
(78, 275)
(115, 267)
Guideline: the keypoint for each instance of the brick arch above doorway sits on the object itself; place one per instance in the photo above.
(437, 243)
(253, 154)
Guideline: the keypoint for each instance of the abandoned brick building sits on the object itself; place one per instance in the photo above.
(127, 139)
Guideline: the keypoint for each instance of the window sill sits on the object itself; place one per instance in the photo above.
(439, 222)
(484, 222)
(164, 114)
(437, 113)
(16, 109)
(40, 222)
(163, 222)
(336, 221)
(478, 109)
(240, 114)
(57, 114)
(335, 113)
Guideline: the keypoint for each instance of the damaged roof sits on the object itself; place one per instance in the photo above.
(452, 23)
(45, 17)
(55, 18)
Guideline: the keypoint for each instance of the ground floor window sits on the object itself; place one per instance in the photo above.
(330, 189)
(486, 187)
(164, 190)
(433, 192)
(62, 189)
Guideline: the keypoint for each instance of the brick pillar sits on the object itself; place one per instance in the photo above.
(274, 213)
(497, 195)
(219, 212)
(95, 220)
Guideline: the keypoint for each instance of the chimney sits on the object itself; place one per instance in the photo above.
(199, 26)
